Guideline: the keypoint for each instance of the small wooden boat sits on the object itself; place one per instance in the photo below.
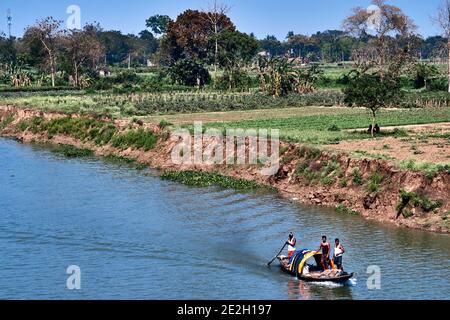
(306, 266)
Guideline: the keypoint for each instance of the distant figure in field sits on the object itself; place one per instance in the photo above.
(377, 129)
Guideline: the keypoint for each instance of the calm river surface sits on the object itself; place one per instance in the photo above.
(135, 236)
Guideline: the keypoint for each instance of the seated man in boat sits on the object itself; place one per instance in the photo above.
(325, 247)
(338, 253)
(291, 245)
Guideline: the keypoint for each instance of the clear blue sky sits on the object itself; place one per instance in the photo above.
(262, 17)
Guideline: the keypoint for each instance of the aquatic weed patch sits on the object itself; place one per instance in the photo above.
(204, 179)
(70, 151)
(122, 161)
(345, 210)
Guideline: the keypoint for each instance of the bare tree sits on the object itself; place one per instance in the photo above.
(48, 32)
(215, 13)
(390, 48)
(390, 33)
(82, 47)
(443, 20)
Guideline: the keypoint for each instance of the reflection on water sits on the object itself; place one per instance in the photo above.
(300, 290)
(137, 237)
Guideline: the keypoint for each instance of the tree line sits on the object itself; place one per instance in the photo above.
(197, 39)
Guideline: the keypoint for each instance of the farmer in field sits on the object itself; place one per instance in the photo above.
(325, 247)
(338, 253)
(291, 244)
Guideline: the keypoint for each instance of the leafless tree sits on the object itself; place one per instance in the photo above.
(390, 33)
(443, 20)
(82, 47)
(215, 13)
(48, 32)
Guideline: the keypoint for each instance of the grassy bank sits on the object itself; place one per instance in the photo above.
(91, 130)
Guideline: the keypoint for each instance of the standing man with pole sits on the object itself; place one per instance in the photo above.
(291, 245)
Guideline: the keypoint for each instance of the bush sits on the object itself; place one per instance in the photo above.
(414, 200)
(127, 77)
(437, 84)
(374, 181)
(190, 73)
(234, 80)
(6, 121)
(102, 84)
(357, 177)
(138, 139)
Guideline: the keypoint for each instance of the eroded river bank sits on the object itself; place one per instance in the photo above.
(135, 236)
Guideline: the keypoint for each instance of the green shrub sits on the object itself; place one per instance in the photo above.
(189, 73)
(301, 167)
(357, 177)
(313, 153)
(416, 201)
(7, 121)
(437, 84)
(374, 181)
(234, 80)
(343, 183)
(327, 181)
(137, 139)
(164, 124)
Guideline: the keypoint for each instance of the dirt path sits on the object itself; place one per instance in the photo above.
(431, 127)
(425, 143)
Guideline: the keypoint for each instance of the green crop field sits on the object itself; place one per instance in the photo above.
(334, 127)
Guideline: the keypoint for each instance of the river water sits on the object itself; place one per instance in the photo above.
(135, 236)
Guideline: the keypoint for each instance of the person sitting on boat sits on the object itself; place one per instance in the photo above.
(326, 248)
(338, 253)
(291, 245)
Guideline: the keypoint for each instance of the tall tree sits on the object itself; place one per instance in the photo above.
(48, 32)
(82, 47)
(389, 31)
(216, 14)
(190, 35)
(390, 41)
(272, 45)
(443, 20)
(158, 24)
(8, 50)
